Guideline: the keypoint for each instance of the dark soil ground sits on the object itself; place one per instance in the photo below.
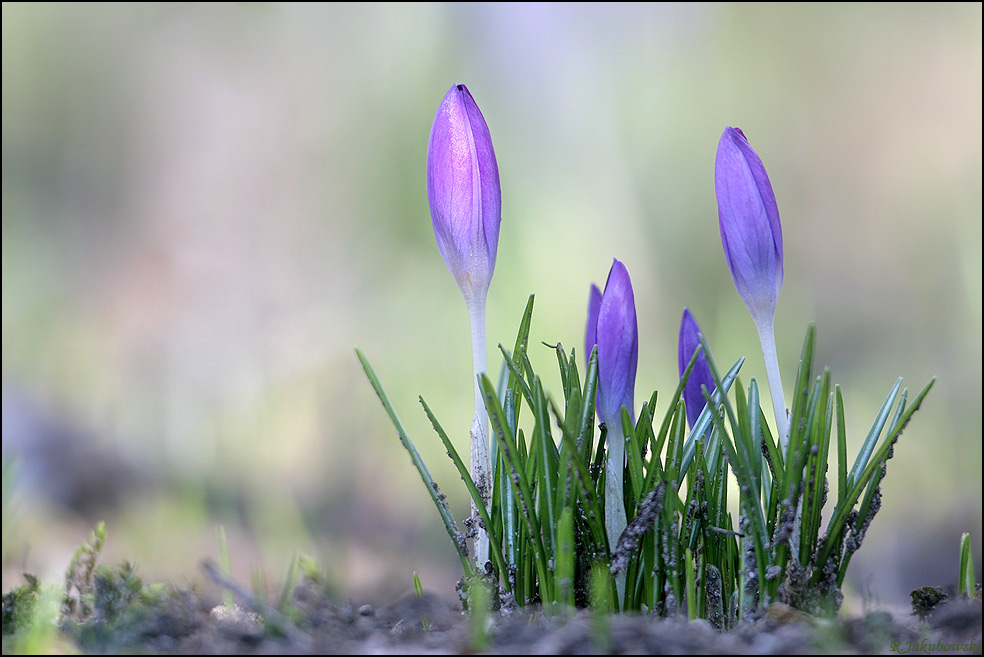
(351, 629)
(188, 622)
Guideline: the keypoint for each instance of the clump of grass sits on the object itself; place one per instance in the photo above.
(99, 606)
(31, 615)
(684, 550)
(79, 576)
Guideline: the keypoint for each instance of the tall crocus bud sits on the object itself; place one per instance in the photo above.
(700, 375)
(463, 190)
(617, 335)
(749, 219)
(465, 204)
(591, 332)
(752, 239)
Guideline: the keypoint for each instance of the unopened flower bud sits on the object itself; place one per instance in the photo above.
(749, 220)
(701, 372)
(463, 191)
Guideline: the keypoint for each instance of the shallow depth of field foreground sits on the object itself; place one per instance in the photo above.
(687, 358)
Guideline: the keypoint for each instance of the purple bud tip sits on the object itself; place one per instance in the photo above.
(749, 221)
(463, 191)
(618, 345)
(700, 374)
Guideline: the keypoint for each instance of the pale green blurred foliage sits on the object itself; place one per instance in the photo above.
(206, 208)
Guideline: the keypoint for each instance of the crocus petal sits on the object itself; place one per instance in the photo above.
(701, 372)
(591, 334)
(618, 345)
(463, 191)
(749, 221)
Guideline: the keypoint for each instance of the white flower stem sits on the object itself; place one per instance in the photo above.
(767, 337)
(614, 502)
(480, 463)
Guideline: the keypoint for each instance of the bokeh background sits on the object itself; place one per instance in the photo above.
(206, 208)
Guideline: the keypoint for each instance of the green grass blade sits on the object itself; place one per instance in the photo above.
(287, 590)
(585, 435)
(504, 500)
(820, 473)
(634, 459)
(739, 458)
(565, 558)
(561, 362)
(516, 385)
(841, 446)
(805, 396)
(523, 335)
(602, 595)
(527, 510)
(744, 433)
(775, 459)
(675, 444)
(966, 582)
(504, 507)
(868, 446)
(644, 427)
(495, 540)
(548, 470)
(838, 520)
(222, 548)
(572, 396)
(691, 585)
(432, 488)
(704, 420)
(516, 381)
(772, 493)
(816, 469)
(591, 507)
(756, 449)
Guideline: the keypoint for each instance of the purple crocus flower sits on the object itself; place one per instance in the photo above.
(618, 346)
(617, 336)
(465, 204)
(700, 374)
(749, 220)
(752, 239)
(463, 191)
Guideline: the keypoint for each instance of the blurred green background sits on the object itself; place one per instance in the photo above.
(207, 207)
